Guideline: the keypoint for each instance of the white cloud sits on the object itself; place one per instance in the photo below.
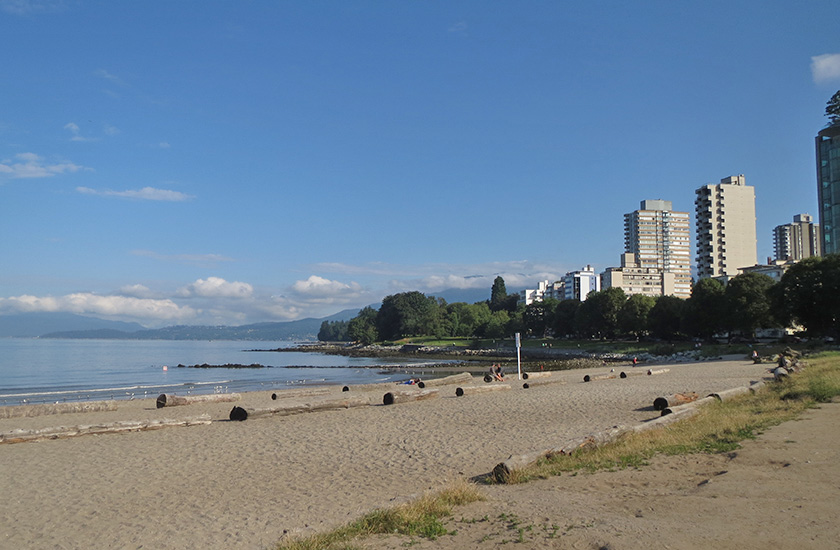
(216, 287)
(105, 75)
(163, 145)
(95, 304)
(319, 286)
(30, 7)
(146, 193)
(30, 165)
(76, 133)
(825, 67)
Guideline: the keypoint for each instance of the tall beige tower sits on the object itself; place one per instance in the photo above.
(660, 239)
(725, 220)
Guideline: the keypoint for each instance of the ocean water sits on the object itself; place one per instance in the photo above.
(48, 370)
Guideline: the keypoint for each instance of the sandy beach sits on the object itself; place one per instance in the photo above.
(249, 484)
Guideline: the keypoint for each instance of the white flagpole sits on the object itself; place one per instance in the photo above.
(518, 358)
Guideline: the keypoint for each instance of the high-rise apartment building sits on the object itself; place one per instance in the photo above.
(797, 240)
(828, 187)
(725, 220)
(660, 238)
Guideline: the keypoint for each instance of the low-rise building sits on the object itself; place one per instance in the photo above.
(632, 278)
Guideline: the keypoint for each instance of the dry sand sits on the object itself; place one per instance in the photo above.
(247, 485)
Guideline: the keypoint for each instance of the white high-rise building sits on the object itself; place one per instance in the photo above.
(660, 239)
(797, 240)
(725, 218)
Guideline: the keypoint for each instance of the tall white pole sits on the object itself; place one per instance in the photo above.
(518, 358)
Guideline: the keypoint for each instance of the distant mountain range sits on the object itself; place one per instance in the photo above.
(68, 325)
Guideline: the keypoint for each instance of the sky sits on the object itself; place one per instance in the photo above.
(209, 162)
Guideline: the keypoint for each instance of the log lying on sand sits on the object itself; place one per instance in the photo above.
(503, 470)
(661, 403)
(299, 393)
(470, 390)
(755, 386)
(19, 411)
(169, 400)
(543, 382)
(459, 378)
(677, 409)
(651, 372)
(625, 374)
(538, 374)
(589, 378)
(726, 395)
(61, 432)
(346, 402)
(393, 397)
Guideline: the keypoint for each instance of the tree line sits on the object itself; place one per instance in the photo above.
(807, 297)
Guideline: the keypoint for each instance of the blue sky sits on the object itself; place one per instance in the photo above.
(232, 162)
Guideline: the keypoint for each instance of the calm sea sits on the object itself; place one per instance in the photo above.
(38, 371)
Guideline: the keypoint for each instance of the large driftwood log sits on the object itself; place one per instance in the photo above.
(538, 374)
(170, 400)
(651, 372)
(673, 400)
(589, 378)
(18, 411)
(285, 394)
(503, 470)
(470, 390)
(676, 409)
(726, 395)
(755, 386)
(286, 409)
(61, 432)
(404, 396)
(543, 382)
(625, 374)
(453, 379)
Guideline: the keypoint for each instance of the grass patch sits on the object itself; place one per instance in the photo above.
(717, 428)
(421, 518)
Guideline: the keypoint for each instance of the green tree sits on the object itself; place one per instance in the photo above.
(598, 315)
(666, 317)
(362, 327)
(497, 325)
(809, 295)
(333, 331)
(748, 305)
(407, 314)
(537, 317)
(633, 316)
(564, 317)
(706, 309)
(498, 294)
(832, 108)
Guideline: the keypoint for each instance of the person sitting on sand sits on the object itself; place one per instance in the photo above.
(498, 373)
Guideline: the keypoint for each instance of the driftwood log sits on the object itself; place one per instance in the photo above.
(404, 396)
(18, 411)
(470, 390)
(170, 400)
(726, 395)
(543, 382)
(62, 432)
(453, 379)
(677, 409)
(625, 374)
(346, 402)
(755, 386)
(609, 376)
(538, 374)
(661, 403)
(503, 470)
(299, 393)
(651, 372)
